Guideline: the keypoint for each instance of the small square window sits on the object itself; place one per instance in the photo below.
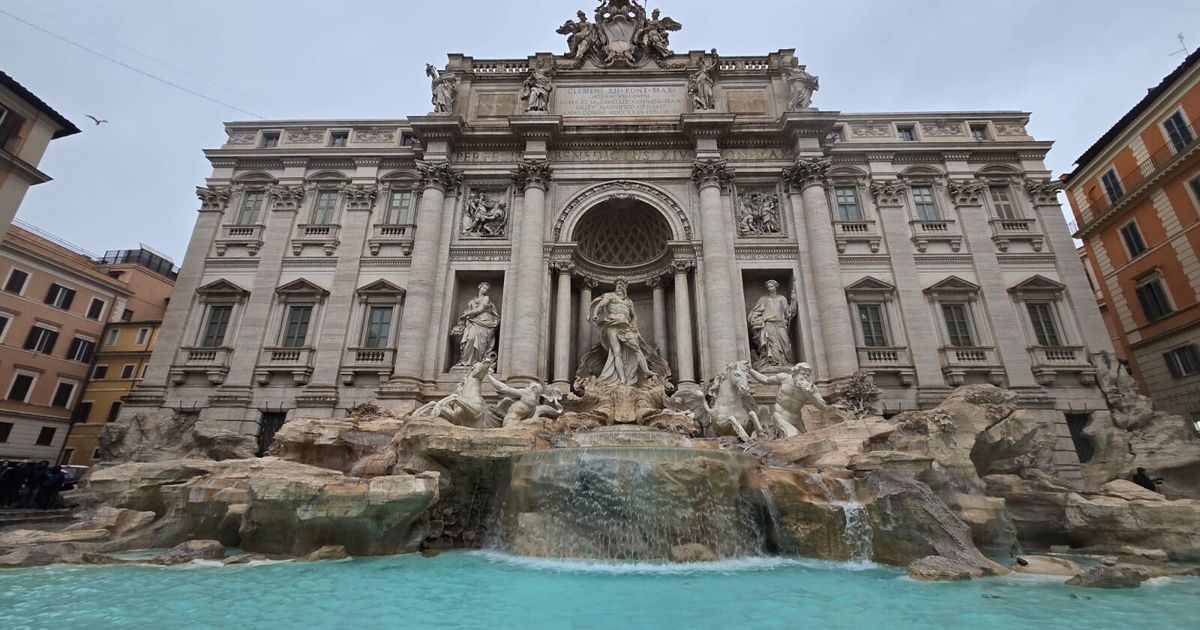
(81, 350)
(1183, 362)
(906, 133)
(127, 371)
(46, 436)
(60, 297)
(270, 139)
(16, 281)
(5, 431)
(407, 139)
(127, 315)
(96, 309)
(338, 138)
(980, 132)
(836, 135)
(100, 372)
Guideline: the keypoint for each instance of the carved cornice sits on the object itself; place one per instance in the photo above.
(1043, 192)
(213, 198)
(532, 173)
(285, 197)
(711, 172)
(967, 192)
(294, 161)
(438, 175)
(888, 193)
(360, 196)
(808, 172)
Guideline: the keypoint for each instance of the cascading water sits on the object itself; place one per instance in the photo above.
(857, 534)
(630, 502)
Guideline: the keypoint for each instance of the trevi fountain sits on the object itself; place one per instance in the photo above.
(767, 494)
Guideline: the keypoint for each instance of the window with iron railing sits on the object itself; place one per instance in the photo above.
(1114, 185)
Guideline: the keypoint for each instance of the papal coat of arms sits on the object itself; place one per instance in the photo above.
(620, 35)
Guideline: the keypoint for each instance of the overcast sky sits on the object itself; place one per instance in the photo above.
(1077, 65)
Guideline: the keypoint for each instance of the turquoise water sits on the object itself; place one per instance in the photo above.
(482, 590)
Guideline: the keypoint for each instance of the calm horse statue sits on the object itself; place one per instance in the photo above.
(465, 407)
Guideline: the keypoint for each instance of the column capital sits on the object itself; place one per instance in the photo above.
(888, 192)
(655, 282)
(682, 266)
(360, 196)
(711, 172)
(1043, 192)
(532, 174)
(213, 198)
(563, 267)
(811, 171)
(589, 282)
(967, 192)
(438, 175)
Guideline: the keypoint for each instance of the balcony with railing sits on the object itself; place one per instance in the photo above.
(323, 235)
(212, 362)
(1050, 361)
(401, 235)
(1005, 231)
(1101, 203)
(846, 232)
(372, 361)
(887, 360)
(297, 362)
(926, 231)
(248, 236)
(960, 362)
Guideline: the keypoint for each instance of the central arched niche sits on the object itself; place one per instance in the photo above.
(622, 234)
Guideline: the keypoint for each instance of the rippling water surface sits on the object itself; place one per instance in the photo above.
(488, 590)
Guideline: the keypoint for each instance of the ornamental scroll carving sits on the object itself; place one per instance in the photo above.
(871, 129)
(360, 196)
(711, 172)
(286, 197)
(375, 136)
(967, 192)
(808, 172)
(213, 198)
(1043, 192)
(438, 175)
(305, 136)
(1010, 129)
(888, 192)
(942, 128)
(242, 137)
(532, 173)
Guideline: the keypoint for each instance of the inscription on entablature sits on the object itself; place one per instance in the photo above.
(477, 156)
(621, 155)
(620, 100)
(763, 153)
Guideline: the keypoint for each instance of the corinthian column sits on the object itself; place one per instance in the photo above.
(436, 179)
(809, 175)
(685, 373)
(533, 178)
(660, 314)
(710, 176)
(562, 326)
(585, 326)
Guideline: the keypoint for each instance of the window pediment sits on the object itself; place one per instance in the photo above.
(222, 290)
(952, 288)
(1038, 286)
(381, 291)
(870, 288)
(302, 289)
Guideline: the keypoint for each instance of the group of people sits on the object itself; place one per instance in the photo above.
(30, 484)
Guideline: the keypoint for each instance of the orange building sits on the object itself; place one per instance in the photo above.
(1136, 197)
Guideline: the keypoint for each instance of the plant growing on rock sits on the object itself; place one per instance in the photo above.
(859, 395)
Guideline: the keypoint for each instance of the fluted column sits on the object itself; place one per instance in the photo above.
(659, 293)
(533, 178)
(585, 326)
(710, 176)
(685, 372)
(436, 179)
(810, 176)
(562, 325)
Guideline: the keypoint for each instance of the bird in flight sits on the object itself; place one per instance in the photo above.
(96, 120)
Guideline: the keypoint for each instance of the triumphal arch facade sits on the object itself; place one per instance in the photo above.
(338, 262)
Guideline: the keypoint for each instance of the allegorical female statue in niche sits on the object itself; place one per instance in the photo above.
(769, 322)
(477, 329)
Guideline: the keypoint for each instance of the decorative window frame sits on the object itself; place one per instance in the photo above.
(955, 290)
(871, 290)
(301, 292)
(220, 292)
(75, 391)
(1154, 275)
(378, 293)
(1129, 255)
(36, 374)
(323, 235)
(11, 316)
(1039, 288)
(24, 285)
(1162, 127)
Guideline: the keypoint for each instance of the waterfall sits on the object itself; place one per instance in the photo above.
(858, 534)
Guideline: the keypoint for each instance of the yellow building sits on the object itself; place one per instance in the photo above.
(120, 364)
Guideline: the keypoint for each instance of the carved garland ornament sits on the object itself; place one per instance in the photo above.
(532, 173)
(623, 189)
(438, 175)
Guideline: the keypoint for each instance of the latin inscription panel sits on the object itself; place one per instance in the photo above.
(620, 100)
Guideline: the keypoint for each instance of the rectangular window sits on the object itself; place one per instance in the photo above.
(399, 210)
(926, 207)
(338, 138)
(1045, 328)
(113, 336)
(979, 132)
(100, 372)
(847, 203)
(1153, 298)
(1183, 362)
(324, 208)
(216, 326)
(379, 327)
(874, 331)
(95, 309)
(46, 436)
(63, 395)
(1178, 131)
(837, 135)
(60, 297)
(81, 350)
(407, 139)
(295, 331)
(1195, 186)
(1112, 185)
(83, 411)
(128, 371)
(16, 281)
(270, 139)
(5, 431)
(10, 127)
(114, 410)
(1133, 239)
(252, 204)
(906, 133)
(958, 325)
(142, 335)
(1002, 202)
(5, 320)
(127, 315)
(41, 340)
(21, 386)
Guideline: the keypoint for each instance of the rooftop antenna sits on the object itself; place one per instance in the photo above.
(1183, 47)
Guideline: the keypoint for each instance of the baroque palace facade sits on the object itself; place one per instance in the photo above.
(339, 262)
